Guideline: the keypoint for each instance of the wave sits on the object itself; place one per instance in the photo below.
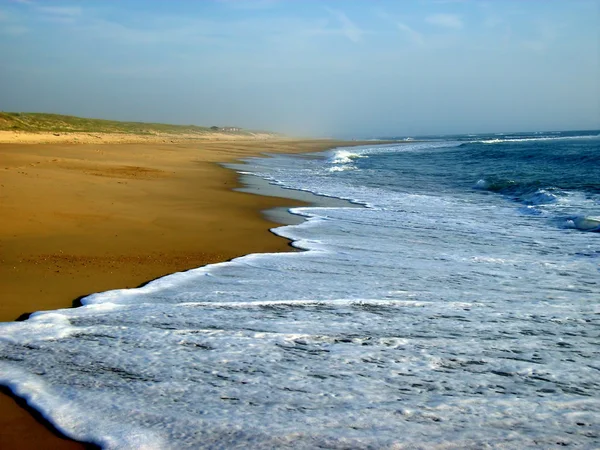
(345, 157)
(566, 208)
(527, 193)
(342, 168)
(528, 139)
(584, 223)
(541, 197)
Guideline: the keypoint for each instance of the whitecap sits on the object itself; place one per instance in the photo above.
(342, 168)
(345, 157)
(584, 223)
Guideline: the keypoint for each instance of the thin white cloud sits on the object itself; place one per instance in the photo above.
(348, 27)
(445, 20)
(60, 14)
(412, 34)
(199, 33)
(180, 32)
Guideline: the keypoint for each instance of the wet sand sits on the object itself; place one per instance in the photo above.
(78, 219)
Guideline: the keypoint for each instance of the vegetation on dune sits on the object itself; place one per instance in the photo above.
(42, 122)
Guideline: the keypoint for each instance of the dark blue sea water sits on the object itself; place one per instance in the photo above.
(457, 307)
(553, 173)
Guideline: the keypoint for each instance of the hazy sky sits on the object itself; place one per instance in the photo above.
(353, 68)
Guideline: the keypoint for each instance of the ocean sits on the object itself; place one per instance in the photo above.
(452, 302)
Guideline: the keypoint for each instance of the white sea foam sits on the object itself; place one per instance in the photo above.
(541, 138)
(482, 184)
(542, 197)
(345, 156)
(584, 223)
(342, 168)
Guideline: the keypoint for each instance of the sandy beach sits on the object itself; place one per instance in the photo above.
(84, 218)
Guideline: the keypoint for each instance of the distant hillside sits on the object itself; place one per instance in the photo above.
(42, 122)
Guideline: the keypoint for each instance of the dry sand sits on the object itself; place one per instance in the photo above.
(23, 137)
(78, 219)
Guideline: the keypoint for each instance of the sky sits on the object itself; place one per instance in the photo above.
(340, 68)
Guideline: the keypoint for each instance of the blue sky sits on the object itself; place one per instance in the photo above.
(351, 68)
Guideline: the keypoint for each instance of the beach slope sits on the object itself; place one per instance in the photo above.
(79, 219)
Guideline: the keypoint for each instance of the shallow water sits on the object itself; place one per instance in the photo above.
(458, 309)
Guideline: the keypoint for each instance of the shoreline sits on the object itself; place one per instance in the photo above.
(58, 249)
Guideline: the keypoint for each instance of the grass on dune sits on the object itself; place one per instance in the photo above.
(43, 122)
